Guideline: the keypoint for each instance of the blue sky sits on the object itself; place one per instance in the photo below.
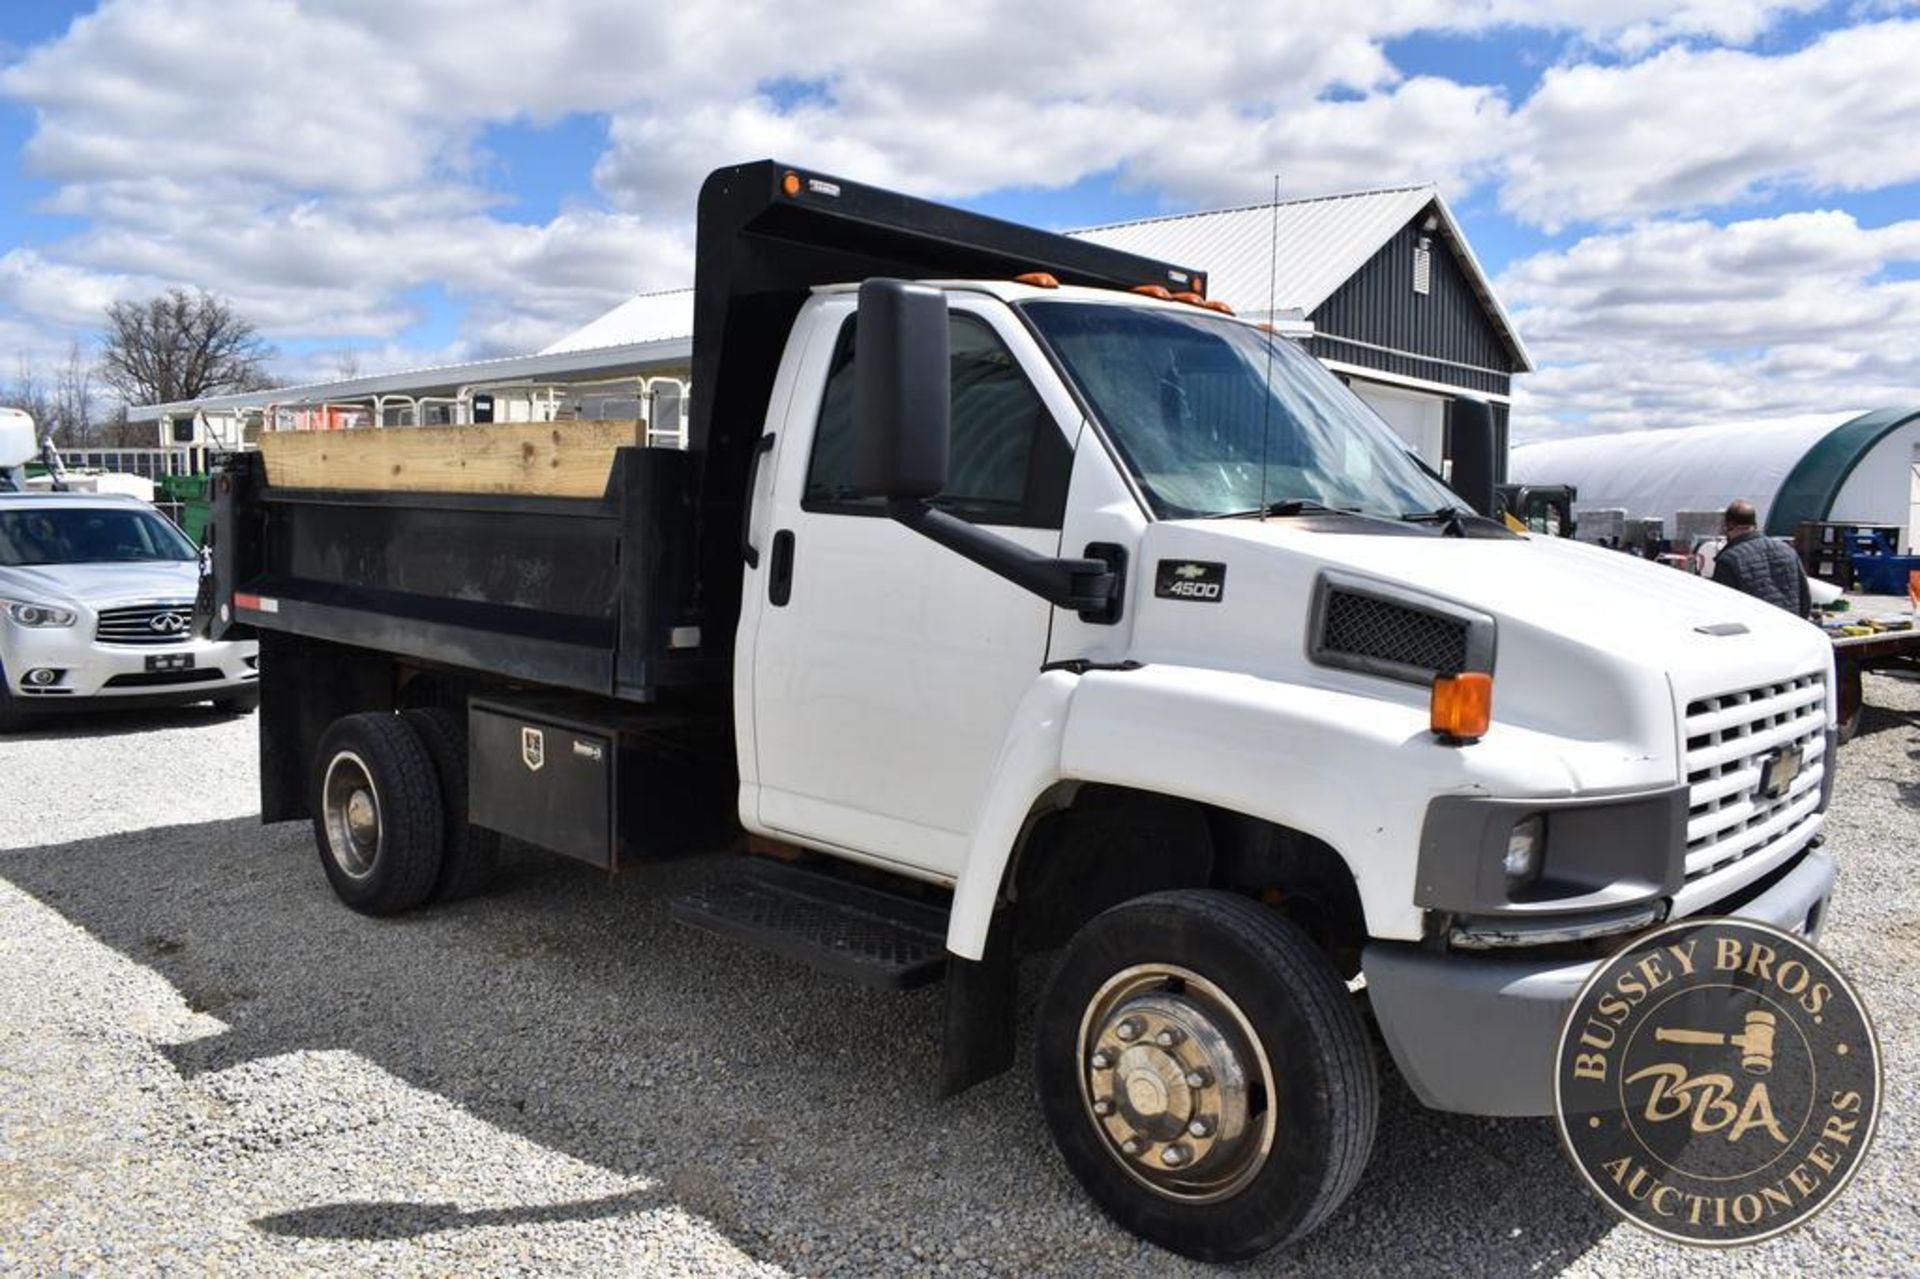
(374, 180)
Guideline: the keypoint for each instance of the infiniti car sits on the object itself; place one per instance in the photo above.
(96, 611)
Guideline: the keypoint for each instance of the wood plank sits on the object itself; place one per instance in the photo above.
(544, 459)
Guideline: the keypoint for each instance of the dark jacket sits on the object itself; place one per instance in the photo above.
(1764, 569)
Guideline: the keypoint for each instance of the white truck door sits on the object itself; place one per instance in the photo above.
(886, 668)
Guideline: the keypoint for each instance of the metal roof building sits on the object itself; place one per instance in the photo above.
(1399, 305)
(1855, 467)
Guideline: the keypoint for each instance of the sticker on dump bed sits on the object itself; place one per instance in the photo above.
(1717, 1082)
(1203, 580)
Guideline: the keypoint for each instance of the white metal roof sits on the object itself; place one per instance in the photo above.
(1694, 468)
(1300, 251)
(643, 356)
(646, 317)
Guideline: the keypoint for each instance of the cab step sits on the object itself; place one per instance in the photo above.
(876, 938)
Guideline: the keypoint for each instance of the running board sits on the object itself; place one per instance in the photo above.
(876, 938)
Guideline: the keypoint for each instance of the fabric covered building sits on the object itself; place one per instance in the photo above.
(1858, 467)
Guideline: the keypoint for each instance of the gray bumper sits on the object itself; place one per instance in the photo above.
(1477, 1034)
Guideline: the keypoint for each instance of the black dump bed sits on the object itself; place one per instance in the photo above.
(634, 593)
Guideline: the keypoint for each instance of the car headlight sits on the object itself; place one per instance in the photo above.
(39, 615)
(1524, 844)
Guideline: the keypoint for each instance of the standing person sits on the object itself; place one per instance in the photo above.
(1758, 565)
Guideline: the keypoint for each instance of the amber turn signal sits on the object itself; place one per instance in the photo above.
(1463, 705)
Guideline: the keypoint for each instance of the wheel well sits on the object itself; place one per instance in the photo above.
(1086, 848)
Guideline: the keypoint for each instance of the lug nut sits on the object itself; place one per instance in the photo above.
(1128, 1030)
(1101, 1061)
(1131, 1145)
(1199, 1128)
(1103, 1107)
(1173, 1156)
(1196, 1079)
(1168, 1037)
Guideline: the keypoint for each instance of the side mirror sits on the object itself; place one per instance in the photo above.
(1473, 453)
(901, 391)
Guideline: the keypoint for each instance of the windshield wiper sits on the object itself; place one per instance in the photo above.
(1451, 519)
(1283, 509)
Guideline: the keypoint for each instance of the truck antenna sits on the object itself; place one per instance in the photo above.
(1273, 285)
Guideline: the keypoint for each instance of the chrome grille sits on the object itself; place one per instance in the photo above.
(1730, 738)
(146, 624)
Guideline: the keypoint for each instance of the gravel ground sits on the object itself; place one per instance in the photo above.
(207, 1064)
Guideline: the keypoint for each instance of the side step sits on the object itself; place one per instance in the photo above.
(876, 938)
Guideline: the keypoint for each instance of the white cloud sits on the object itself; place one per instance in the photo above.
(1677, 323)
(321, 162)
(1690, 128)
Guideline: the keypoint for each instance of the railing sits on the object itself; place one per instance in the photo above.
(148, 463)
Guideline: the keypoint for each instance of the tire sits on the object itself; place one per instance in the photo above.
(1243, 981)
(12, 718)
(376, 813)
(239, 704)
(468, 853)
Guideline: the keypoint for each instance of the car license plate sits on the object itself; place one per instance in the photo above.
(170, 661)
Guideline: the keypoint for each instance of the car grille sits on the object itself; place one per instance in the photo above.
(134, 624)
(1730, 738)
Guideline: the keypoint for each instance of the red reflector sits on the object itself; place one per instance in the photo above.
(242, 600)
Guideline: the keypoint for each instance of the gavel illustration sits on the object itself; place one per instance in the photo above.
(1755, 1043)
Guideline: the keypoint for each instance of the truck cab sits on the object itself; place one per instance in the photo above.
(1047, 607)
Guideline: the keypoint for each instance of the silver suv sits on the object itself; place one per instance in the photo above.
(96, 610)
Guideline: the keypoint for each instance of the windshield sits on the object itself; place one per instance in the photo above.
(1196, 403)
(88, 535)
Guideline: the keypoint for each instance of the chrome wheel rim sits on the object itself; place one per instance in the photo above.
(350, 809)
(1176, 1083)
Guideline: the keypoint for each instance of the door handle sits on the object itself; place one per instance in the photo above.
(748, 551)
(780, 569)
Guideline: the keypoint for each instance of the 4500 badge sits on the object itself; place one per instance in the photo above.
(1717, 1081)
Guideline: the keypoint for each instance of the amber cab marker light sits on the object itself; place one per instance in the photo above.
(1154, 291)
(791, 183)
(1462, 706)
(1190, 298)
(1038, 279)
(1215, 304)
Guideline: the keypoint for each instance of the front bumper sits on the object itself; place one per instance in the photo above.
(110, 674)
(1477, 1034)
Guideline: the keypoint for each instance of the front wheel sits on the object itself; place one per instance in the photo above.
(1205, 1074)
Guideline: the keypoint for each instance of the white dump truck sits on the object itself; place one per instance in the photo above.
(1012, 597)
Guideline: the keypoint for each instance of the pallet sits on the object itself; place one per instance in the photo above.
(542, 459)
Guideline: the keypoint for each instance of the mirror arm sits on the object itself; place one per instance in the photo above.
(1086, 586)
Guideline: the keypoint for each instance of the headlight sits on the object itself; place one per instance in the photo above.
(1524, 846)
(39, 615)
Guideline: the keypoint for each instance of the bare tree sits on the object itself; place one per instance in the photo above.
(29, 393)
(73, 398)
(180, 346)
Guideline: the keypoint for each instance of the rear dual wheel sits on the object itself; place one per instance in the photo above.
(390, 812)
(1205, 1074)
(377, 813)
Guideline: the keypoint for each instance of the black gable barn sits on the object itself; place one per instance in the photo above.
(1398, 305)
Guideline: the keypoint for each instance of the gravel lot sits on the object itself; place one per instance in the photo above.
(207, 1064)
